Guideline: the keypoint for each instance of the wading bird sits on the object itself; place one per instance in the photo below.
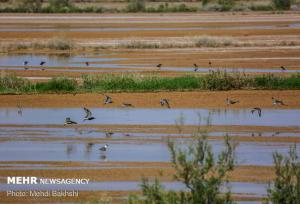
(104, 148)
(231, 102)
(68, 121)
(88, 115)
(277, 102)
(165, 102)
(195, 67)
(209, 63)
(87, 64)
(25, 63)
(258, 111)
(107, 99)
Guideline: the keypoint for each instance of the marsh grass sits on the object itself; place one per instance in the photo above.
(57, 43)
(215, 80)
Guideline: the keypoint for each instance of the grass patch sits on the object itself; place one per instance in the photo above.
(215, 81)
(57, 43)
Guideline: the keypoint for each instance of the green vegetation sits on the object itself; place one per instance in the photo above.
(215, 80)
(198, 169)
(286, 187)
(71, 6)
(282, 4)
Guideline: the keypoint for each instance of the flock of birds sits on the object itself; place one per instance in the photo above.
(196, 67)
(108, 100)
(256, 109)
(164, 103)
(159, 66)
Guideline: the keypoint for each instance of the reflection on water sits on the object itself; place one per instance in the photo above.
(249, 153)
(55, 60)
(132, 116)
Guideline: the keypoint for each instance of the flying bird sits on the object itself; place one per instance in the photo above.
(104, 148)
(277, 102)
(107, 99)
(158, 66)
(165, 102)
(231, 102)
(195, 67)
(25, 63)
(88, 115)
(68, 121)
(127, 105)
(283, 68)
(42, 63)
(258, 111)
(108, 134)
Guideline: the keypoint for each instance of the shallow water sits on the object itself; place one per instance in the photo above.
(133, 116)
(58, 60)
(73, 133)
(248, 153)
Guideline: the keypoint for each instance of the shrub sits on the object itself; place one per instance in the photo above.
(31, 5)
(136, 6)
(286, 188)
(282, 4)
(226, 5)
(197, 168)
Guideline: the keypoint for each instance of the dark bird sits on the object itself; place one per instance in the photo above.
(25, 63)
(127, 105)
(20, 109)
(231, 102)
(42, 63)
(195, 67)
(88, 115)
(87, 64)
(158, 66)
(108, 134)
(68, 121)
(107, 99)
(258, 111)
(282, 68)
(165, 102)
(104, 148)
(277, 102)
(209, 63)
